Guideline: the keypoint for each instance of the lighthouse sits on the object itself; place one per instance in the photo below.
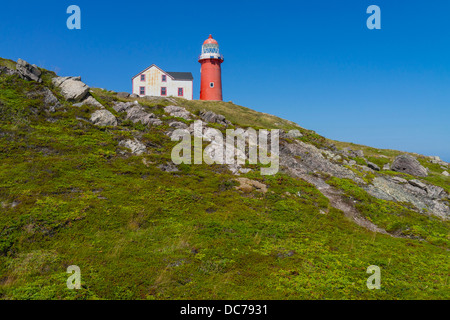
(211, 78)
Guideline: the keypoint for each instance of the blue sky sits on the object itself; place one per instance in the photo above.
(312, 62)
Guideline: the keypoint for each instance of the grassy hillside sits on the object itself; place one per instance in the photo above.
(70, 197)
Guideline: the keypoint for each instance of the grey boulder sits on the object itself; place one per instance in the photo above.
(89, 100)
(295, 134)
(373, 166)
(178, 125)
(135, 146)
(28, 71)
(408, 164)
(103, 118)
(50, 101)
(72, 88)
(357, 153)
(212, 117)
(136, 113)
(178, 112)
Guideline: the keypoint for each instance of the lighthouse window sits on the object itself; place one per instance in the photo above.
(164, 78)
(211, 84)
(211, 50)
(142, 77)
(163, 91)
(180, 92)
(142, 91)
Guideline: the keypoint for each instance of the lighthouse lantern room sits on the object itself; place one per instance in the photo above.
(211, 78)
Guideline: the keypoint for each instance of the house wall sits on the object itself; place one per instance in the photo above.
(153, 83)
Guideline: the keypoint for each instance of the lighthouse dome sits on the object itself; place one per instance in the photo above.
(210, 49)
(210, 40)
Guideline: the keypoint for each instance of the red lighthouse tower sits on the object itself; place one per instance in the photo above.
(211, 78)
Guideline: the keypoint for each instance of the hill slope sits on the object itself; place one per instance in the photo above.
(74, 192)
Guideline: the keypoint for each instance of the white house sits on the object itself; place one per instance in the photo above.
(154, 81)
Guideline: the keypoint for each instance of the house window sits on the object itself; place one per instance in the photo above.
(163, 78)
(211, 84)
(142, 77)
(163, 91)
(180, 92)
(142, 91)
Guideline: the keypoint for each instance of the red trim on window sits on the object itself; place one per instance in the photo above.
(142, 77)
(140, 91)
(182, 92)
(165, 91)
(163, 78)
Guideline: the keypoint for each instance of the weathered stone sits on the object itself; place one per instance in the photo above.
(212, 117)
(50, 101)
(408, 164)
(298, 158)
(247, 185)
(445, 173)
(28, 71)
(178, 125)
(436, 192)
(138, 114)
(168, 167)
(357, 153)
(134, 95)
(373, 166)
(103, 118)
(71, 88)
(135, 146)
(294, 134)
(418, 184)
(7, 71)
(179, 112)
(386, 167)
(123, 106)
(90, 100)
(384, 189)
(399, 180)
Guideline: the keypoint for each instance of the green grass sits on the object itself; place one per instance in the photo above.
(68, 197)
(8, 63)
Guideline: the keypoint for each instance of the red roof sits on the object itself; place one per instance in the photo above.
(210, 40)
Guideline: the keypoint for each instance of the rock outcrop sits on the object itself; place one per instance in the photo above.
(50, 101)
(72, 88)
(137, 113)
(298, 158)
(103, 118)
(424, 197)
(136, 147)
(212, 117)
(180, 112)
(28, 71)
